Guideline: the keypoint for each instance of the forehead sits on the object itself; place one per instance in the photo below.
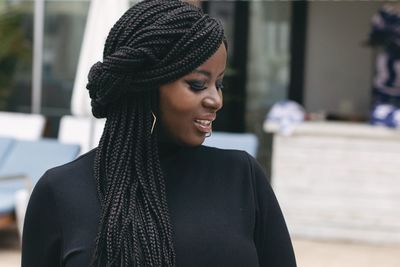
(216, 63)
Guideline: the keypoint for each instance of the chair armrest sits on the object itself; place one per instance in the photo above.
(27, 181)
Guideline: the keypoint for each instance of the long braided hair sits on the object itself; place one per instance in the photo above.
(153, 43)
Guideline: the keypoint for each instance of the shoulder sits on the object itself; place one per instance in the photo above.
(77, 166)
(229, 158)
(70, 173)
(68, 189)
(232, 155)
(235, 161)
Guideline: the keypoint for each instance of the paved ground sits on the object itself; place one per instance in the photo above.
(337, 254)
(309, 253)
(9, 248)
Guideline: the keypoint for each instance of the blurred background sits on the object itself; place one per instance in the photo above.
(333, 165)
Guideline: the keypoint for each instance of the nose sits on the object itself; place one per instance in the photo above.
(213, 99)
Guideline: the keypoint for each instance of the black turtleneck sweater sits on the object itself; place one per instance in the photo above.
(222, 209)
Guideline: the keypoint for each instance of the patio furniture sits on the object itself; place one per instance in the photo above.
(22, 167)
(5, 145)
(85, 131)
(21, 125)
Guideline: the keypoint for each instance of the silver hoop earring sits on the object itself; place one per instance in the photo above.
(154, 122)
(210, 132)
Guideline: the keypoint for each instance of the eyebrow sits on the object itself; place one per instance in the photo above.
(206, 73)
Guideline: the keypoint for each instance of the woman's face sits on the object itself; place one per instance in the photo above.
(188, 106)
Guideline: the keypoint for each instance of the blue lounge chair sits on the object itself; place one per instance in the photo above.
(5, 146)
(24, 164)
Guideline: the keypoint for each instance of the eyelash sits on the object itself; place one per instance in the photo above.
(197, 85)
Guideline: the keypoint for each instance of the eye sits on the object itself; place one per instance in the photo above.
(219, 85)
(196, 85)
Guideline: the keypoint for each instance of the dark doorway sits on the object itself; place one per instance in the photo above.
(297, 50)
(234, 16)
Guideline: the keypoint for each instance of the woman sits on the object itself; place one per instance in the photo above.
(150, 194)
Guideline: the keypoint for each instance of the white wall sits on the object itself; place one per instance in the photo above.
(338, 68)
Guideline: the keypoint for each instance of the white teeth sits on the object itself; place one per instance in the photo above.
(204, 122)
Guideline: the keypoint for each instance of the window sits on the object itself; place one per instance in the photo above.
(16, 46)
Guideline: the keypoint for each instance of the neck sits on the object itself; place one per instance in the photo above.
(166, 146)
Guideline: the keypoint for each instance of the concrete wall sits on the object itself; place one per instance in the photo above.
(339, 68)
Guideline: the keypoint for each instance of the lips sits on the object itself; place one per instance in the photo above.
(204, 126)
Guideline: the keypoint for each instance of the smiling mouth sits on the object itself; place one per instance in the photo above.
(204, 122)
(204, 126)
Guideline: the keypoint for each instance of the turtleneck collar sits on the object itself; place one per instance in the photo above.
(166, 146)
(167, 149)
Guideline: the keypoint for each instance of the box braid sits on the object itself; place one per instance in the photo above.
(153, 43)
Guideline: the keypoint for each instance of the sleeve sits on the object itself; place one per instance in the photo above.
(271, 235)
(41, 239)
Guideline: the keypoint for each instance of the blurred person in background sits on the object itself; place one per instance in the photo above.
(385, 36)
(150, 194)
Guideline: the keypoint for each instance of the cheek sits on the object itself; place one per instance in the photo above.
(170, 102)
(176, 108)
